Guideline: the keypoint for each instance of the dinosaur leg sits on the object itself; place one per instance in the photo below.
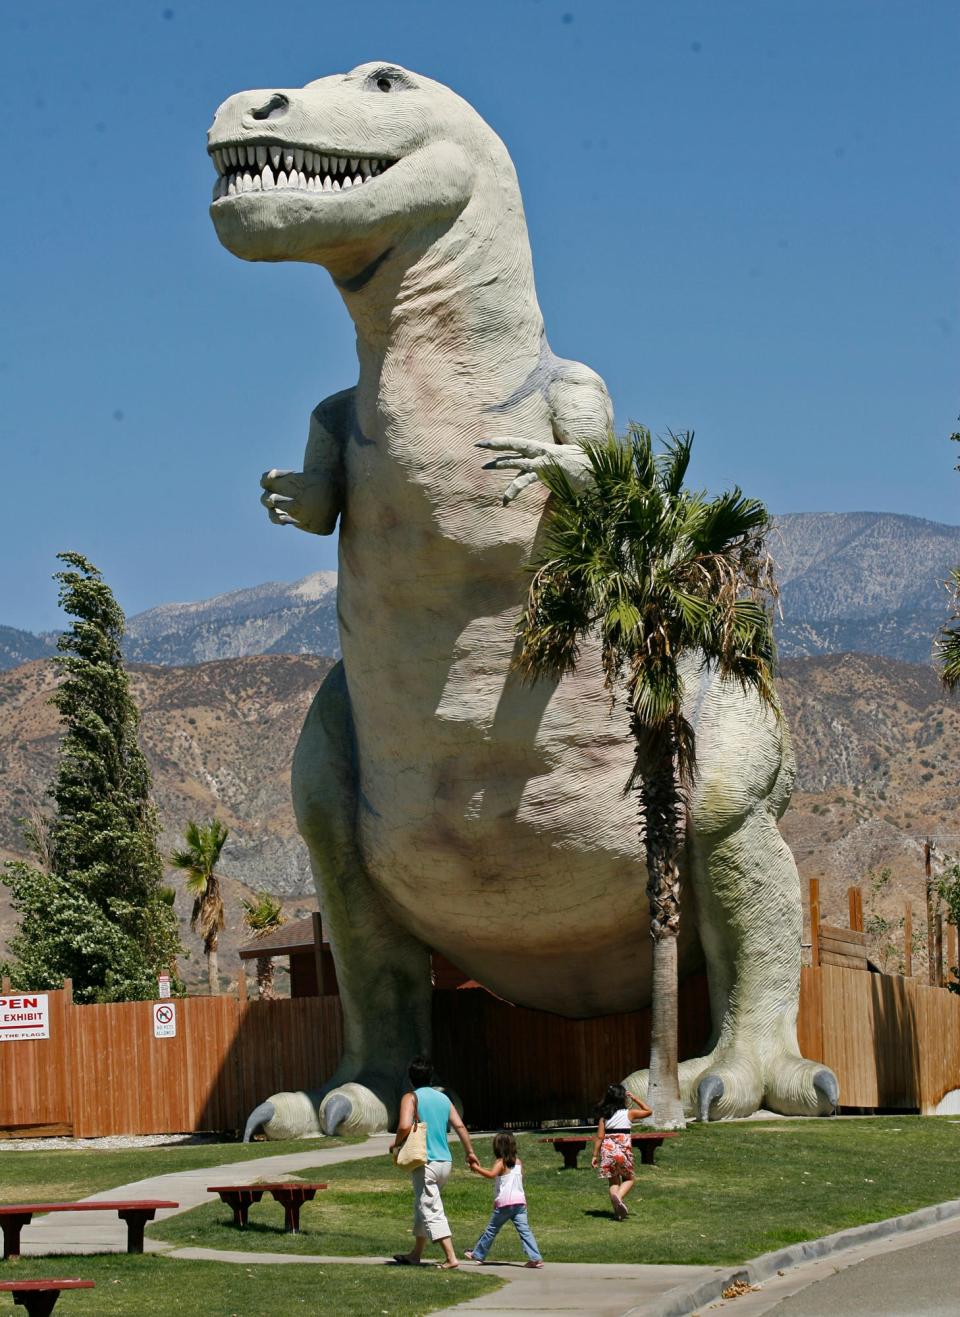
(383, 973)
(750, 915)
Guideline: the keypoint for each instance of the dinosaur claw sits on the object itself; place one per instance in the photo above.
(336, 1109)
(260, 1115)
(709, 1090)
(825, 1083)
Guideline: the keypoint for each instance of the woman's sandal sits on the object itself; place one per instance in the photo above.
(447, 1266)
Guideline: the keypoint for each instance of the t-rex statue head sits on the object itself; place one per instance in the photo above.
(349, 167)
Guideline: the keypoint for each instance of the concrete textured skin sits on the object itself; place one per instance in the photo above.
(445, 805)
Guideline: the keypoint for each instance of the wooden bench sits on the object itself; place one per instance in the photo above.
(39, 1297)
(290, 1194)
(136, 1213)
(570, 1146)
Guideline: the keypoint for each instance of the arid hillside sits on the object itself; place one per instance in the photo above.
(876, 743)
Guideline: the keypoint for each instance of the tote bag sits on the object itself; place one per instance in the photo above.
(412, 1153)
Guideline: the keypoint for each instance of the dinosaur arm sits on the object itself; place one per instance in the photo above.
(312, 499)
(580, 413)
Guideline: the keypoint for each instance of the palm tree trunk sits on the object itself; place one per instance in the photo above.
(663, 809)
(213, 968)
(265, 988)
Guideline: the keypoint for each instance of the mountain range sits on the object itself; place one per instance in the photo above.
(875, 742)
(863, 582)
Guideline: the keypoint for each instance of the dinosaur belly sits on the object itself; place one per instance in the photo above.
(494, 822)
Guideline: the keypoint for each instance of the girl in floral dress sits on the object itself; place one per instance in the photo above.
(613, 1150)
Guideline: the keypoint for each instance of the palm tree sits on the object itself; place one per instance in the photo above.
(261, 916)
(199, 860)
(948, 641)
(659, 574)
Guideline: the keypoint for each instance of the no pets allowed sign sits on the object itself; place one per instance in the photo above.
(164, 1020)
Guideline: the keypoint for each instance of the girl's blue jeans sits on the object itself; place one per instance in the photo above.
(501, 1215)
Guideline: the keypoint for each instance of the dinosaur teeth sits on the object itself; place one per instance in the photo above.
(265, 166)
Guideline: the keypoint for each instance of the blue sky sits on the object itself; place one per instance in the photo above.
(743, 215)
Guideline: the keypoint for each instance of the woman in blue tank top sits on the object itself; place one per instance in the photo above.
(436, 1109)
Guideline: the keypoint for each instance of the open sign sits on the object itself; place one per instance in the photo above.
(24, 1016)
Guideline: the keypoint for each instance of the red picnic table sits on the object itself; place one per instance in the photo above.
(570, 1146)
(39, 1297)
(291, 1194)
(136, 1212)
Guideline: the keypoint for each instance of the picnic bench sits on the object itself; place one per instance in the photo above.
(136, 1213)
(39, 1297)
(570, 1146)
(290, 1194)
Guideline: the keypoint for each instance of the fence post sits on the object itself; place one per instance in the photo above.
(938, 946)
(951, 951)
(928, 883)
(814, 921)
(6, 984)
(855, 903)
(242, 982)
(908, 940)
(69, 1046)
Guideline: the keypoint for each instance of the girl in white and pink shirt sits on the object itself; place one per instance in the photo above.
(509, 1201)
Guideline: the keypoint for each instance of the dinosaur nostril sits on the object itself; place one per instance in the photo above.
(275, 107)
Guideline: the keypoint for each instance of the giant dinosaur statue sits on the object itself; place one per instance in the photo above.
(445, 805)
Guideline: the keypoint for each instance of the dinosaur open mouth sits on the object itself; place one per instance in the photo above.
(267, 165)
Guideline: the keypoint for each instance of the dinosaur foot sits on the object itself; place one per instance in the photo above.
(343, 1108)
(735, 1082)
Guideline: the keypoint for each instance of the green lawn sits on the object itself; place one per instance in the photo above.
(62, 1174)
(156, 1286)
(719, 1193)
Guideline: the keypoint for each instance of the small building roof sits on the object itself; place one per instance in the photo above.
(297, 935)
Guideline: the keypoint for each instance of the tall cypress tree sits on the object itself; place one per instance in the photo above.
(97, 912)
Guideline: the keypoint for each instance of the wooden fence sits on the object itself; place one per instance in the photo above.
(893, 1043)
(103, 1071)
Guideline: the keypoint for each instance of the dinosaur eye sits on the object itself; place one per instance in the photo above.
(384, 84)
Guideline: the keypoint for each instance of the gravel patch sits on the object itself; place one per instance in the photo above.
(108, 1143)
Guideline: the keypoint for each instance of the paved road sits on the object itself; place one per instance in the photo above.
(919, 1281)
(913, 1274)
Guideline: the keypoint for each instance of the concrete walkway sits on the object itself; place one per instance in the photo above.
(590, 1290)
(95, 1232)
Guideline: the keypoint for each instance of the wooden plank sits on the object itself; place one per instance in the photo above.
(810, 1014)
(857, 963)
(36, 1131)
(855, 951)
(843, 935)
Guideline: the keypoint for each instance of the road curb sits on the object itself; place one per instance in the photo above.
(683, 1300)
